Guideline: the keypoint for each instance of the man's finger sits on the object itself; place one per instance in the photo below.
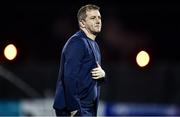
(95, 77)
(95, 69)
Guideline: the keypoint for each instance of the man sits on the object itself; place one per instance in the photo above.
(80, 75)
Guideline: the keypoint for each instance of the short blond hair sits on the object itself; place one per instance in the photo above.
(81, 15)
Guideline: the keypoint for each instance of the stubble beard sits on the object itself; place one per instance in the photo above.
(96, 32)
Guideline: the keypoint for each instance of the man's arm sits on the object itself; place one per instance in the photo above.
(73, 56)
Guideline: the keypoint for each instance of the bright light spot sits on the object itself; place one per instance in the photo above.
(142, 58)
(10, 52)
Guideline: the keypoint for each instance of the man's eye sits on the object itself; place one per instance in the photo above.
(92, 17)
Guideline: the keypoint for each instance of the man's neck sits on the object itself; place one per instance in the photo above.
(88, 34)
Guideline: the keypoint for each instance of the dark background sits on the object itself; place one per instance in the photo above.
(39, 30)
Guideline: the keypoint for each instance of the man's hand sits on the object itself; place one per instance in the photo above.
(98, 72)
(73, 113)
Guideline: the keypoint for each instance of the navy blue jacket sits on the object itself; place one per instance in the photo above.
(75, 86)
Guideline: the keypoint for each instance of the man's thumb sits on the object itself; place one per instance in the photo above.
(98, 64)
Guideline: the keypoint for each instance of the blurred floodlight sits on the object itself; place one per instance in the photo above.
(10, 52)
(142, 58)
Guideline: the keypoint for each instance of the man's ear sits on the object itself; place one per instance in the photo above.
(81, 23)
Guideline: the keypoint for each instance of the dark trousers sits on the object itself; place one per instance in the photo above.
(62, 112)
(85, 111)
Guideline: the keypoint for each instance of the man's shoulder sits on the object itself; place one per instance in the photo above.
(74, 40)
(77, 37)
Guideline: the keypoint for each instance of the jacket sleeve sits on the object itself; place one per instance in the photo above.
(73, 57)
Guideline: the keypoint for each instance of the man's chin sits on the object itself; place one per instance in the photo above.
(97, 32)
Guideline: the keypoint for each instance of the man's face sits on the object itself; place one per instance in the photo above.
(93, 21)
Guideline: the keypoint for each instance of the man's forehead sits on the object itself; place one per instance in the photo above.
(93, 12)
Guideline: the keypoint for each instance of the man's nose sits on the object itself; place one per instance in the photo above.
(98, 20)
